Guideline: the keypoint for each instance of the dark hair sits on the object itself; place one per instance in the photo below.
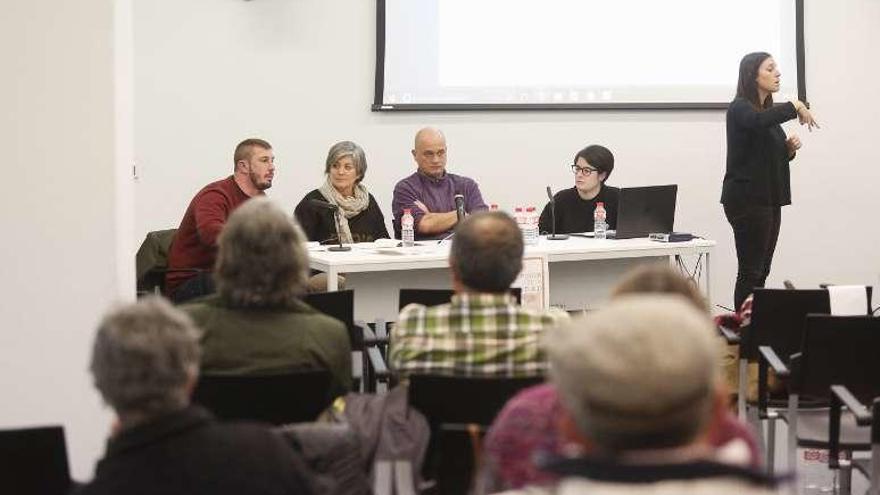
(599, 157)
(245, 148)
(487, 251)
(747, 86)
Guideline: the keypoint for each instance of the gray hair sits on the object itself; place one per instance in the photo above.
(144, 356)
(640, 373)
(262, 260)
(487, 251)
(343, 149)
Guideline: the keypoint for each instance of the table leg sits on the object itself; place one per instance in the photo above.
(332, 280)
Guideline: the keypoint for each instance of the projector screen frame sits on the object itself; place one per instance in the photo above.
(379, 106)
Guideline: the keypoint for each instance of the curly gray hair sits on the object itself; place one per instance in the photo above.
(262, 261)
(144, 356)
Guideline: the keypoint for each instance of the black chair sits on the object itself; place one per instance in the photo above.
(777, 321)
(33, 461)
(340, 305)
(151, 262)
(836, 350)
(436, 297)
(454, 406)
(841, 396)
(277, 398)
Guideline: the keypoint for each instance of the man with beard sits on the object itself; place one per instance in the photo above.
(195, 245)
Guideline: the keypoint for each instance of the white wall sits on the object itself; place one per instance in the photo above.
(67, 211)
(300, 74)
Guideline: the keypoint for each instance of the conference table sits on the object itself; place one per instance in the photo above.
(577, 272)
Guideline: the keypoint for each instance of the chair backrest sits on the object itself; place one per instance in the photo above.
(778, 319)
(436, 297)
(448, 400)
(33, 461)
(151, 260)
(277, 399)
(339, 305)
(839, 350)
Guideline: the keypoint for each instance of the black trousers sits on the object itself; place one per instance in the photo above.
(755, 231)
(199, 285)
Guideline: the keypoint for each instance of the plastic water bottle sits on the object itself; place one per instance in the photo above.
(531, 223)
(520, 219)
(407, 232)
(600, 227)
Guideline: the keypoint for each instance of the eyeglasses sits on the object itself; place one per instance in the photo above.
(587, 171)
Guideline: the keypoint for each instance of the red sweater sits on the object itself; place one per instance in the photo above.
(195, 244)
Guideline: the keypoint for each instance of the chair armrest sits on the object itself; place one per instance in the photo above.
(773, 360)
(841, 396)
(380, 369)
(729, 335)
(766, 355)
(862, 414)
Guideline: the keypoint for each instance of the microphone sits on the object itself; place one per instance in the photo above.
(554, 236)
(317, 203)
(323, 205)
(459, 206)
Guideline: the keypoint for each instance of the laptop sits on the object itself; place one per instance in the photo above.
(644, 210)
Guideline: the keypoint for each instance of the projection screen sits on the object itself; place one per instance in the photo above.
(574, 54)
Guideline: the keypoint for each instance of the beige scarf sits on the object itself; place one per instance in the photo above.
(348, 206)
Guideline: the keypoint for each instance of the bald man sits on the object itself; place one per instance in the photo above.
(430, 192)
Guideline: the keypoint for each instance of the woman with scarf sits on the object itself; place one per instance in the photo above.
(360, 219)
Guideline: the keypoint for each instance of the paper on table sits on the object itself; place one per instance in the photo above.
(848, 300)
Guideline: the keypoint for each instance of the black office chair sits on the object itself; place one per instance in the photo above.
(836, 350)
(841, 396)
(33, 461)
(278, 399)
(453, 406)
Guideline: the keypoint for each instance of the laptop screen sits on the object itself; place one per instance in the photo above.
(645, 210)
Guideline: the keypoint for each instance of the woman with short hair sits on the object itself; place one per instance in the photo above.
(360, 219)
(575, 206)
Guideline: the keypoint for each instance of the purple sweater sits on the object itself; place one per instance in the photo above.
(437, 194)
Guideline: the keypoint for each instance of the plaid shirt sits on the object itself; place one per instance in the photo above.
(482, 335)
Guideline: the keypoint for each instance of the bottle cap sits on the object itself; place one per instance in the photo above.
(600, 204)
(407, 211)
(518, 209)
(493, 206)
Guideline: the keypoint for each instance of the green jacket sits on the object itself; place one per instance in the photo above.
(256, 341)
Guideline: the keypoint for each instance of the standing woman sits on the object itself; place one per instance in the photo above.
(756, 184)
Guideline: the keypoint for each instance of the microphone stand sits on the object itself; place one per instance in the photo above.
(554, 236)
(340, 247)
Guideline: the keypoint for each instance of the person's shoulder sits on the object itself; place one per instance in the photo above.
(414, 315)
(739, 104)
(461, 179)
(313, 194)
(407, 180)
(610, 191)
(199, 306)
(566, 194)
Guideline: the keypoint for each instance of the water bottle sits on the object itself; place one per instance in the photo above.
(531, 223)
(519, 217)
(600, 227)
(407, 232)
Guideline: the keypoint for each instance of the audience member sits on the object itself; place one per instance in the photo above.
(195, 244)
(256, 323)
(640, 386)
(430, 192)
(528, 423)
(360, 219)
(145, 363)
(575, 207)
(482, 332)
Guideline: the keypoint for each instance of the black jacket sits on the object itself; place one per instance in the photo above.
(189, 453)
(757, 158)
(319, 225)
(574, 214)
